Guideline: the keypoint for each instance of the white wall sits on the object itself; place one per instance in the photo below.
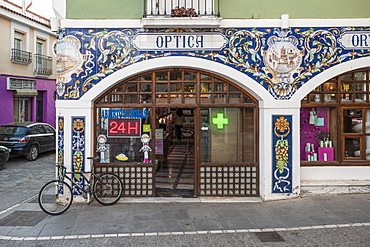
(267, 108)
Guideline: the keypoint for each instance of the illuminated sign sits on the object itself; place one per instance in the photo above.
(220, 121)
(124, 113)
(124, 127)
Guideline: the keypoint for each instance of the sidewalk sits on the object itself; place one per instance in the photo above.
(158, 217)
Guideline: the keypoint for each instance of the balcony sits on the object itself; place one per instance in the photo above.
(181, 13)
(21, 57)
(43, 66)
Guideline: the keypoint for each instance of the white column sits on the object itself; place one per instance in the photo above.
(266, 158)
(76, 108)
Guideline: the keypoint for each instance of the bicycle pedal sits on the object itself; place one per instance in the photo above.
(84, 195)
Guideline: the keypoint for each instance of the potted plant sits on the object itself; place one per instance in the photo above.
(183, 12)
(323, 136)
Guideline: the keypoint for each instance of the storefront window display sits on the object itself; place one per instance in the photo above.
(123, 129)
(335, 121)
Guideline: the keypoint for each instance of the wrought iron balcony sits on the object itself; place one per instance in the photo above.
(21, 57)
(43, 66)
(181, 8)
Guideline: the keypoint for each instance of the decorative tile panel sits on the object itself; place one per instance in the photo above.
(281, 61)
(78, 152)
(60, 140)
(282, 154)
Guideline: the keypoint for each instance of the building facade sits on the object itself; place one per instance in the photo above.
(275, 97)
(27, 81)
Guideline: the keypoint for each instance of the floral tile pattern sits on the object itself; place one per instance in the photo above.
(281, 61)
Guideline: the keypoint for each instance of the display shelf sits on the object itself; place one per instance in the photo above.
(326, 154)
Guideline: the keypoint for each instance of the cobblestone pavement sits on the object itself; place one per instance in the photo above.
(342, 220)
(29, 178)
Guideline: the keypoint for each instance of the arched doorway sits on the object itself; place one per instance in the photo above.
(217, 152)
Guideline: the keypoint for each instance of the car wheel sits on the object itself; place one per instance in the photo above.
(32, 155)
(2, 161)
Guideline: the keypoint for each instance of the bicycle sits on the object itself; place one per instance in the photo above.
(56, 196)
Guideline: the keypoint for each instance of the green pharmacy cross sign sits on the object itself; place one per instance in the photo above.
(220, 121)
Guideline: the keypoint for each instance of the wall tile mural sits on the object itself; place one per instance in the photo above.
(60, 140)
(281, 61)
(78, 152)
(282, 154)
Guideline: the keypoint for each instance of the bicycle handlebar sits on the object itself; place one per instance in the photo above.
(93, 158)
(59, 165)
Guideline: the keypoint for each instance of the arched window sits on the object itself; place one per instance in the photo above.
(220, 122)
(335, 121)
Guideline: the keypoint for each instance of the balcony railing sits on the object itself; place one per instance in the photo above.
(44, 65)
(181, 8)
(21, 57)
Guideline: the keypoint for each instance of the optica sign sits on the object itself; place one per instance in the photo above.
(355, 40)
(179, 41)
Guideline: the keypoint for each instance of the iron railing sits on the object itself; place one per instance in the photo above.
(21, 56)
(44, 64)
(181, 8)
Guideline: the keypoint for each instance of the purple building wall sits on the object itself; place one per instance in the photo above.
(47, 86)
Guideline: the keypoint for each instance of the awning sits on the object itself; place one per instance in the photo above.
(24, 92)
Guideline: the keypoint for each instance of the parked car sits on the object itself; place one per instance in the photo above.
(27, 138)
(4, 156)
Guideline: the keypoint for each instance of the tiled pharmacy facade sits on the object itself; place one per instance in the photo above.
(263, 103)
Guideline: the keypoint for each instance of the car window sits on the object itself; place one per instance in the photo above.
(12, 130)
(32, 131)
(37, 129)
(48, 129)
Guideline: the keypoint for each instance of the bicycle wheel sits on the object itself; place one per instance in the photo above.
(107, 188)
(55, 197)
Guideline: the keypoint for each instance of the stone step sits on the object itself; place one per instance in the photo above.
(325, 187)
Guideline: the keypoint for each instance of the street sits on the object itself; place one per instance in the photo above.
(342, 220)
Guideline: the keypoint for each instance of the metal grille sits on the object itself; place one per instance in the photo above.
(137, 180)
(22, 110)
(227, 180)
(21, 56)
(44, 64)
(181, 8)
(20, 84)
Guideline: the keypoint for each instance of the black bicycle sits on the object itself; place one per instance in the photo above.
(56, 196)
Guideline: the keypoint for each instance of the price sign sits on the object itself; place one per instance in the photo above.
(118, 127)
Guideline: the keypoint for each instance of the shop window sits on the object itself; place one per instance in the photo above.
(335, 121)
(165, 90)
(227, 135)
(176, 86)
(123, 128)
(317, 143)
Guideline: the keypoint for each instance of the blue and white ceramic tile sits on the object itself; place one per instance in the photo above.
(281, 61)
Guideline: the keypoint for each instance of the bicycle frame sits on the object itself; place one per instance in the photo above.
(62, 174)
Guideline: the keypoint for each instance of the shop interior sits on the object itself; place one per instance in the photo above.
(175, 152)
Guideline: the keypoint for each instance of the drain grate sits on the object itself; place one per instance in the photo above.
(269, 237)
(23, 218)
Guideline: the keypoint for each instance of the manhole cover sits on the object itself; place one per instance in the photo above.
(23, 218)
(269, 237)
